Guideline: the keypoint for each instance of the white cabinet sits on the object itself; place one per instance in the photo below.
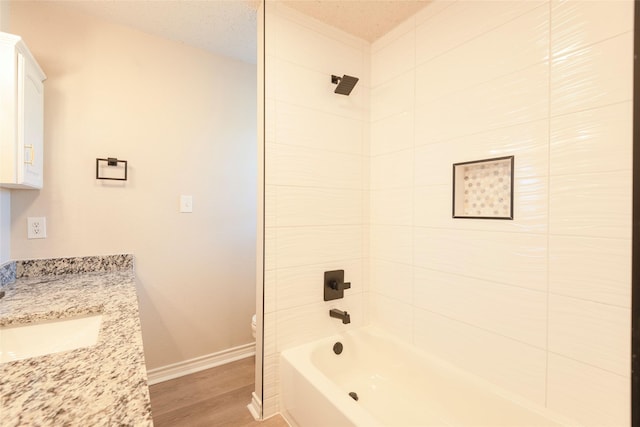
(21, 115)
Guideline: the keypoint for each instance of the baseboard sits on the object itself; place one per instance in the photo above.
(176, 370)
(255, 407)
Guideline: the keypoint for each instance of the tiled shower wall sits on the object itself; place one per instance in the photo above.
(539, 305)
(316, 162)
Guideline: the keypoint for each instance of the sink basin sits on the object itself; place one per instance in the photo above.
(37, 339)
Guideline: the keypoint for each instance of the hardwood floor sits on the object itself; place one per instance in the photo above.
(217, 397)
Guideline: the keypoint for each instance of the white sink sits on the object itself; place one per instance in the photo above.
(37, 339)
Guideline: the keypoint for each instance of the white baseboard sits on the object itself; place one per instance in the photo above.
(255, 407)
(176, 370)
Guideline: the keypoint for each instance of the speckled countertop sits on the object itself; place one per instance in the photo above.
(102, 385)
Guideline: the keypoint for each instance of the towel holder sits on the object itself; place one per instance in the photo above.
(111, 161)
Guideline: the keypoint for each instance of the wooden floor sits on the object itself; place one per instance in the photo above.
(216, 397)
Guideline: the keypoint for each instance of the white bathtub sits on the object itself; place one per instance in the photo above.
(396, 386)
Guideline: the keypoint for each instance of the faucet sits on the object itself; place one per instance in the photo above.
(339, 314)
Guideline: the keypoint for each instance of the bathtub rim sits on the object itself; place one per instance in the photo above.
(300, 357)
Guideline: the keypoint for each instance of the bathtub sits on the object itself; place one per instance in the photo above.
(395, 385)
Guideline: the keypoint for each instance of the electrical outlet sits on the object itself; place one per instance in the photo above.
(186, 204)
(36, 227)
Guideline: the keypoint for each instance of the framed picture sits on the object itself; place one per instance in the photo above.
(483, 189)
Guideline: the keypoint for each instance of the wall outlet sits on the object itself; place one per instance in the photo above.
(36, 227)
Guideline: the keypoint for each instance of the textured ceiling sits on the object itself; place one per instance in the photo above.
(228, 27)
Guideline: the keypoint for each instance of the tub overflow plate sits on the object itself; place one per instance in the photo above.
(337, 347)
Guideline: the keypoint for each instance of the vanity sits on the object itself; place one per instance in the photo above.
(102, 383)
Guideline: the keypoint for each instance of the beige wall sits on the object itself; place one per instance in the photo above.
(185, 120)
(5, 195)
(5, 11)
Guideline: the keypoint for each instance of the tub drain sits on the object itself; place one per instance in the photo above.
(354, 395)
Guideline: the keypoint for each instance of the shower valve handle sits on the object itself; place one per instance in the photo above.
(339, 286)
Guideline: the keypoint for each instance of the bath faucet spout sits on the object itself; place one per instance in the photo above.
(339, 314)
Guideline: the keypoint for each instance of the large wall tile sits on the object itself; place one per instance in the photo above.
(271, 380)
(511, 258)
(577, 24)
(312, 167)
(528, 142)
(393, 280)
(306, 127)
(511, 311)
(593, 333)
(595, 140)
(305, 206)
(591, 396)
(270, 248)
(597, 75)
(511, 47)
(391, 243)
(510, 364)
(596, 205)
(270, 205)
(304, 285)
(393, 97)
(509, 100)
(298, 246)
(270, 291)
(394, 59)
(391, 134)
(392, 207)
(592, 269)
(394, 170)
(392, 316)
(270, 120)
(463, 21)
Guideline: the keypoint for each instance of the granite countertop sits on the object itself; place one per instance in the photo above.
(101, 385)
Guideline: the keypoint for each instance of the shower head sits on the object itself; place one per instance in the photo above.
(345, 84)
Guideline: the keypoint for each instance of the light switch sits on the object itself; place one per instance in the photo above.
(186, 204)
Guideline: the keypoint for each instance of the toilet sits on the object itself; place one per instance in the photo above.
(253, 326)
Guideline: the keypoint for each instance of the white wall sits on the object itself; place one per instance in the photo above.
(539, 305)
(185, 120)
(5, 195)
(316, 183)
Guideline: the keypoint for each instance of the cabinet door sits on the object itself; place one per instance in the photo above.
(30, 124)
